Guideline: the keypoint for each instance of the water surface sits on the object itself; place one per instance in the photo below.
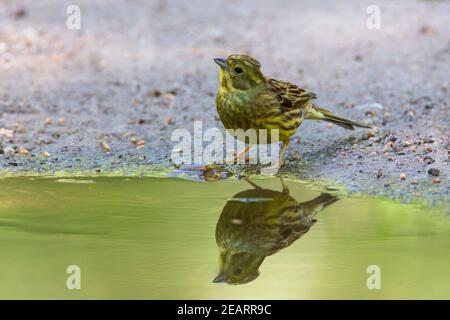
(156, 238)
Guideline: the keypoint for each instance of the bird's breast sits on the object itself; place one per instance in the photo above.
(255, 110)
(234, 110)
(245, 109)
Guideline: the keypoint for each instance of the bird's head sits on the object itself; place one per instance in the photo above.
(238, 267)
(239, 72)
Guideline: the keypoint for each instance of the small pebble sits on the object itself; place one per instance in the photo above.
(61, 121)
(7, 133)
(428, 160)
(154, 93)
(168, 96)
(9, 151)
(348, 104)
(18, 12)
(105, 146)
(23, 151)
(433, 172)
(427, 30)
(169, 121)
(140, 144)
(392, 138)
(389, 145)
(403, 176)
(436, 180)
(379, 174)
(20, 129)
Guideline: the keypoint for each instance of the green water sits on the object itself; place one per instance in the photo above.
(156, 238)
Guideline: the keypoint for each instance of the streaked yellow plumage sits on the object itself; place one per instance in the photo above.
(248, 100)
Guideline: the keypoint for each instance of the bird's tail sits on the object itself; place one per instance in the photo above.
(317, 204)
(322, 201)
(317, 113)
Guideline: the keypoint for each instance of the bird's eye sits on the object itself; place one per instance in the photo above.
(237, 271)
(238, 70)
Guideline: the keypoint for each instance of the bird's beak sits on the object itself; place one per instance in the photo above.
(221, 278)
(221, 62)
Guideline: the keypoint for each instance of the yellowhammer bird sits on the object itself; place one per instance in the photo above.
(257, 223)
(249, 100)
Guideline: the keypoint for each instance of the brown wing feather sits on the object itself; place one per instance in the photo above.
(290, 95)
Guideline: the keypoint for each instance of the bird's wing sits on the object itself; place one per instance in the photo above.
(290, 95)
(290, 223)
(297, 219)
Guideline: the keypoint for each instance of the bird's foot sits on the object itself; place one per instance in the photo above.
(210, 172)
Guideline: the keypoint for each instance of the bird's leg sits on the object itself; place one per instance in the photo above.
(275, 168)
(284, 146)
(242, 154)
(284, 185)
(250, 182)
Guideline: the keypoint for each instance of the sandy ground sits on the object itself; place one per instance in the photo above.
(137, 70)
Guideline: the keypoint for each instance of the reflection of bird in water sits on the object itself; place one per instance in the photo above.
(257, 223)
